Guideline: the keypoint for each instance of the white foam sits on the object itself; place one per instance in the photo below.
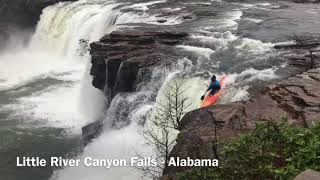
(116, 144)
(237, 84)
(253, 20)
(91, 101)
(23, 67)
(52, 107)
(251, 74)
(193, 89)
(53, 53)
(254, 46)
(205, 52)
(264, 6)
(228, 22)
(58, 30)
(124, 143)
(198, 3)
(217, 40)
(143, 6)
(130, 17)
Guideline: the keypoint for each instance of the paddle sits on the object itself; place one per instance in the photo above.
(202, 97)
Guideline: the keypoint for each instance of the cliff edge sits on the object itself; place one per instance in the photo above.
(296, 98)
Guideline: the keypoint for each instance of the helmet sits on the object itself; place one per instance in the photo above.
(213, 78)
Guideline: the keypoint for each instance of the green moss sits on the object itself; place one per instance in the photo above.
(271, 151)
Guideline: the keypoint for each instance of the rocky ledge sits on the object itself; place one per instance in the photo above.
(119, 56)
(297, 99)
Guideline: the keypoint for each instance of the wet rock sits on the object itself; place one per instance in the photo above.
(305, 52)
(197, 133)
(296, 98)
(187, 17)
(161, 20)
(118, 57)
(91, 131)
(299, 96)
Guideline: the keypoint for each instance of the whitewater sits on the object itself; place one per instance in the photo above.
(46, 84)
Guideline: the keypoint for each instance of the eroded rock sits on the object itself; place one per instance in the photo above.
(118, 57)
(296, 98)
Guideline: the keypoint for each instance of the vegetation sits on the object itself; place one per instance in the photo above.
(161, 131)
(271, 151)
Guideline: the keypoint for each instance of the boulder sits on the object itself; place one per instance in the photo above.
(308, 175)
(91, 131)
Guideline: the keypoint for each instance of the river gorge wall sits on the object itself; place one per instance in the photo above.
(120, 57)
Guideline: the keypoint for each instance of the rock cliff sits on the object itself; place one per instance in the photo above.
(297, 99)
(119, 56)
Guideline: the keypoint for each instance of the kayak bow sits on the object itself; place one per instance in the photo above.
(210, 100)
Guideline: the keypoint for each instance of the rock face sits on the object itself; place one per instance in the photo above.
(118, 57)
(297, 98)
(91, 131)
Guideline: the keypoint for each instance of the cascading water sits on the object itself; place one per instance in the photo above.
(49, 86)
(46, 92)
(53, 52)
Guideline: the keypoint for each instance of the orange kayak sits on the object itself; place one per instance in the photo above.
(210, 100)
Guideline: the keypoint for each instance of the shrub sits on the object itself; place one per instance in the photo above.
(273, 150)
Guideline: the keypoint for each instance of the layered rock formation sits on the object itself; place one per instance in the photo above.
(297, 99)
(119, 56)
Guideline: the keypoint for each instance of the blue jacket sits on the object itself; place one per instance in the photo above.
(214, 87)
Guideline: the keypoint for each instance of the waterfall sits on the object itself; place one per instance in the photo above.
(53, 56)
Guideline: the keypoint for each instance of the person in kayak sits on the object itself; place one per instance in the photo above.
(214, 87)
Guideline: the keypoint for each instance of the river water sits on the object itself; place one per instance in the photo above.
(46, 95)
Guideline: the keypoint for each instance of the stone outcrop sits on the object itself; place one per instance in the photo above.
(297, 99)
(91, 131)
(119, 56)
(308, 175)
(304, 53)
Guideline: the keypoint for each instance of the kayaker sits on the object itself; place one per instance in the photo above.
(214, 87)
